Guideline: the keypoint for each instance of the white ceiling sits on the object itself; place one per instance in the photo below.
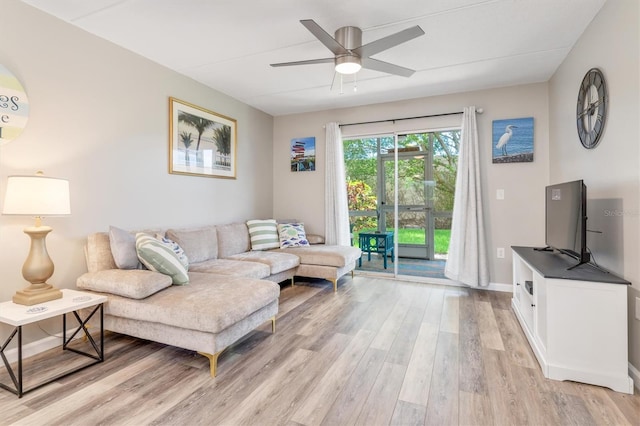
(229, 44)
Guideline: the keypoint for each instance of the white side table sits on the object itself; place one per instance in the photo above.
(71, 302)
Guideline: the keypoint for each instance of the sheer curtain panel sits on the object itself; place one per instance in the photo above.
(467, 260)
(336, 217)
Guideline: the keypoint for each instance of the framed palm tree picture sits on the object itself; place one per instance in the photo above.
(201, 142)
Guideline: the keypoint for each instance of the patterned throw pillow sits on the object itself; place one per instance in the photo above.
(159, 257)
(182, 256)
(292, 235)
(263, 234)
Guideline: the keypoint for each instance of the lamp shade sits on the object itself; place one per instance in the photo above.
(37, 196)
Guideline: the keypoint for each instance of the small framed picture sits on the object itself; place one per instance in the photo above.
(303, 154)
(512, 140)
(201, 142)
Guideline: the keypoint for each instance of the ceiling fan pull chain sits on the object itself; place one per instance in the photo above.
(355, 82)
(341, 91)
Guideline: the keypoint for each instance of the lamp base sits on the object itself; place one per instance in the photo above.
(35, 294)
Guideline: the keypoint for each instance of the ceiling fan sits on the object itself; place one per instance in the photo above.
(349, 53)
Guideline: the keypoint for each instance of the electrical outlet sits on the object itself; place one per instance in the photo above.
(638, 308)
(500, 253)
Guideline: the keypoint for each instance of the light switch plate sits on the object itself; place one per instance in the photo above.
(500, 253)
(638, 308)
(500, 194)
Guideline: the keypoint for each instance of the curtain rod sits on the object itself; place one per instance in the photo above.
(479, 111)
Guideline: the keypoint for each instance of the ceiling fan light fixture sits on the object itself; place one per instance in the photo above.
(348, 64)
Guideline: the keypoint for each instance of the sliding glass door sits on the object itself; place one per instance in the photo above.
(416, 169)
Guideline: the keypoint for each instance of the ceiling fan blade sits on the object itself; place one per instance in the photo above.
(308, 62)
(324, 37)
(388, 42)
(376, 65)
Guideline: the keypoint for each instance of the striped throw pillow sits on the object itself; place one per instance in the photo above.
(159, 257)
(263, 234)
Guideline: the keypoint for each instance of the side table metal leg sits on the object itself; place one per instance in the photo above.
(102, 330)
(17, 381)
(19, 362)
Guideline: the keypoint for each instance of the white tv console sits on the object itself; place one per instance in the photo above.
(575, 320)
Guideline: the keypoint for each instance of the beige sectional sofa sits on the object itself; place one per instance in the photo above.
(231, 290)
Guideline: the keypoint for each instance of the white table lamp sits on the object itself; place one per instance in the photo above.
(37, 196)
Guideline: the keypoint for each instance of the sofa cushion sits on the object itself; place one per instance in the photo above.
(233, 239)
(98, 252)
(210, 303)
(123, 248)
(232, 267)
(199, 244)
(159, 257)
(135, 284)
(263, 234)
(337, 256)
(292, 235)
(278, 261)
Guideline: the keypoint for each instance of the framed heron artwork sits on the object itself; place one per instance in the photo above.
(512, 140)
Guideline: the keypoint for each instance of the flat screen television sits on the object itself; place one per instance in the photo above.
(566, 219)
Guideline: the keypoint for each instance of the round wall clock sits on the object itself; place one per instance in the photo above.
(14, 107)
(591, 112)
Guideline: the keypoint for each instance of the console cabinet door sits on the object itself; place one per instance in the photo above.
(541, 305)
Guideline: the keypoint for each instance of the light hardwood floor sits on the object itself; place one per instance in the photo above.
(377, 352)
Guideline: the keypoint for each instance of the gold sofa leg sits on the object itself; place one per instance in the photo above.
(213, 361)
(293, 284)
(335, 285)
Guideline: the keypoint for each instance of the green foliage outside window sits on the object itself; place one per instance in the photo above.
(361, 162)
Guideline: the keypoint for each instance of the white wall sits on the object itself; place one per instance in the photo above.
(611, 170)
(100, 117)
(517, 220)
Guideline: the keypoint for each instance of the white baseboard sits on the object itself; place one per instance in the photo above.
(635, 375)
(428, 280)
(34, 348)
(508, 288)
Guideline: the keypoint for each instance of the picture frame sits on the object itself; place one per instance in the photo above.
(201, 142)
(303, 154)
(512, 140)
